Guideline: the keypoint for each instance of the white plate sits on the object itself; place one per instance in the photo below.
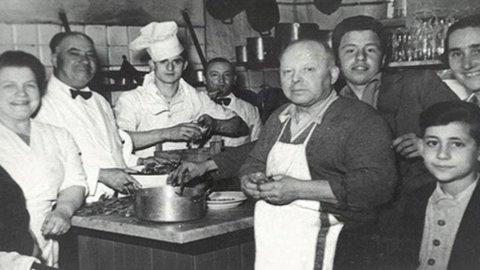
(225, 199)
(149, 180)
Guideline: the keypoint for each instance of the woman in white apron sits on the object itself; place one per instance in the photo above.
(42, 159)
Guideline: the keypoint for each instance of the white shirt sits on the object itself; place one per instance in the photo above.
(93, 127)
(249, 114)
(144, 108)
(45, 167)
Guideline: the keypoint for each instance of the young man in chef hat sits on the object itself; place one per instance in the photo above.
(165, 101)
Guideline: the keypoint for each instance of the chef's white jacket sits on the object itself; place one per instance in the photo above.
(249, 114)
(92, 124)
(45, 167)
(145, 109)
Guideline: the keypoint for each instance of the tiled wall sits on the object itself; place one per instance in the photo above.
(111, 42)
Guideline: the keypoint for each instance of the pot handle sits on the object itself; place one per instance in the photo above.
(228, 21)
(197, 198)
(266, 33)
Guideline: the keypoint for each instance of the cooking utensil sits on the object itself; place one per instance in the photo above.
(241, 53)
(263, 15)
(285, 33)
(225, 10)
(187, 20)
(164, 204)
(327, 6)
(262, 50)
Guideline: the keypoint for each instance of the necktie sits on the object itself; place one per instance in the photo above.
(83, 94)
(223, 101)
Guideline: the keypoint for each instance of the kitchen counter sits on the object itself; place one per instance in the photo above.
(216, 222)
(223, 239)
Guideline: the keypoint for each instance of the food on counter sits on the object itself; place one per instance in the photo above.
(164, 168)
(108, 206)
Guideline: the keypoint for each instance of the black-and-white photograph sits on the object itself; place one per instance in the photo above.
(239, 135)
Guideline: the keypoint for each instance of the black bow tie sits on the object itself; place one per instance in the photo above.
(223, 101)
(83, 94)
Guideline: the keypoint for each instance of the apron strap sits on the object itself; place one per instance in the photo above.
(321, 240)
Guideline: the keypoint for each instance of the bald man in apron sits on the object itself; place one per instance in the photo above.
(321, 162)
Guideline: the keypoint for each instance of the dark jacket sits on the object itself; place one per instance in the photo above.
(465, 253)
(403, 96)
(14, 219)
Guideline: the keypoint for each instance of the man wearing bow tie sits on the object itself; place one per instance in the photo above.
(69, 103)
(166, 102)
(219, 78)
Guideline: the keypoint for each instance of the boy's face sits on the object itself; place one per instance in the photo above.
(450, 153)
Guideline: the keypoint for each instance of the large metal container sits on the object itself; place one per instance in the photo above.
(285, 33)
(262, 50)
(165, 204)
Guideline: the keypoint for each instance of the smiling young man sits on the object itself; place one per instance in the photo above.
(359, 44)
(165, 102)
(441, 230)
(463, 55)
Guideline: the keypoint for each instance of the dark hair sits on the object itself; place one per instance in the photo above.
(61, 36)
(219, 60)
(23, 59)
(444, 113)
(469, 21)
(358, 23)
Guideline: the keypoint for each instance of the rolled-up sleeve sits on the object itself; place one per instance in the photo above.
(370, 174)
(126, 111)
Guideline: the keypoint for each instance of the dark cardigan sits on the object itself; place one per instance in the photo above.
(350, 149)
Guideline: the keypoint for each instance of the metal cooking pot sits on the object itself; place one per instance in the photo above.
(262, 50)
(165, 204)
(285, 33)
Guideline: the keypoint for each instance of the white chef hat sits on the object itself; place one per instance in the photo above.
(160, 40)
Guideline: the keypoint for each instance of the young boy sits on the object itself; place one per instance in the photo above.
(441, 227)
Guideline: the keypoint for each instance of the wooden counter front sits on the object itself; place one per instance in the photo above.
(223, 239)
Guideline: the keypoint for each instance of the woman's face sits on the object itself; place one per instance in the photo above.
(19, 93)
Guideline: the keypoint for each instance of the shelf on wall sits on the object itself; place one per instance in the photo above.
(415, 63)
(394, 22)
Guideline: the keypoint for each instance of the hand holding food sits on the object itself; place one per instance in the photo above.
(249, 184)
(207, 123)
(186, 172)
(280, 191)
(184, 132)
(118, 179)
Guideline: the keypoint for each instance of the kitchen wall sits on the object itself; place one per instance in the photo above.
(29, 24)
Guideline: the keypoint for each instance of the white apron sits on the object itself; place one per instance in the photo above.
(294, 236)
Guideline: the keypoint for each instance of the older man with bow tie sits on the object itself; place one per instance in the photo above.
(70, 103)
(166, 102)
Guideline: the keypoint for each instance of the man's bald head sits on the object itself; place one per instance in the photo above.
(307, 72)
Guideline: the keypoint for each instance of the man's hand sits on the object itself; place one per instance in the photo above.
(186, 172)
(184, 132)
(119, 180)
(282, 190)
(249, 184)
(208, 124)
(406, 145)
(57, 222)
